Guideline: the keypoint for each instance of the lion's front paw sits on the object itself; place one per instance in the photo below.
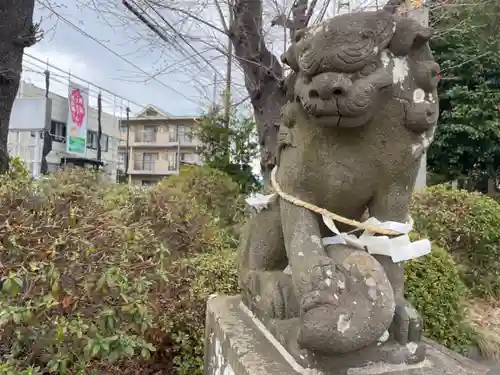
(407, 324)
(326, 282)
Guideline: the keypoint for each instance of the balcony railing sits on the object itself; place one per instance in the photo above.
(146, 136)
(144, 165)
(188, 141)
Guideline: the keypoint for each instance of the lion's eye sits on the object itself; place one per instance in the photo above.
(366, 34)
(368, 69)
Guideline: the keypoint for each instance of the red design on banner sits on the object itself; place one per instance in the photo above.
(77, 107)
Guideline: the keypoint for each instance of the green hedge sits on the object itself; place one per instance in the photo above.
(434, 287)
(213, 189)
(468, 226)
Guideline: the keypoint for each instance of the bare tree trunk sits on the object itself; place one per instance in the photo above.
(263, 74)
(17, 32)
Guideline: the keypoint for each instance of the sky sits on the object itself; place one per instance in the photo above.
(128, 70)
(184, 90)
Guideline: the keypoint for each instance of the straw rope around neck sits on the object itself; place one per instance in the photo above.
(291, 199)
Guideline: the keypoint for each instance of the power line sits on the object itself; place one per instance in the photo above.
(129, 4)
(63, 80)
(146, 19)
(69, 23)
(107, 101)
(92, 87)
(197, 53)
(67, 74)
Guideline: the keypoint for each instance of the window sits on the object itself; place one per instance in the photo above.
(122, 155)
(186, 134)
(148, 182)
(123, 128)
(151, 112)
(92, 139)
(104, 143)
(34, 133)
(172, 161)
(172, 133)
(150, 132)
(58, 131)
(148, 161)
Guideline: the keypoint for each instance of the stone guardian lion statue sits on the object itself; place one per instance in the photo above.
(362, 109)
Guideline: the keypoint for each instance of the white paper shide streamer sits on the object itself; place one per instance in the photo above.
(260, 201)
(398, 248)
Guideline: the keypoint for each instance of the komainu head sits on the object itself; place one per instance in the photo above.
(348, 68)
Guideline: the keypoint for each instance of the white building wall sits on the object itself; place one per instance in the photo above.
(23, 143)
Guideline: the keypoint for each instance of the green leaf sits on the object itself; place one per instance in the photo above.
(18, 281)
(129, 350)
(95, 349)
(145, 354)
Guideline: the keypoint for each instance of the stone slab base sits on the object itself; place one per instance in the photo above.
(236, 343)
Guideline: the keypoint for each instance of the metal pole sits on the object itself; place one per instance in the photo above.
(99, 126)
(127, 145)
(178, 150)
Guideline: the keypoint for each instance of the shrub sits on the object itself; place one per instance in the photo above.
(468, 226)
(434, 287)
(197, 279)
(210, 188)
(90, 280)
(15, 178)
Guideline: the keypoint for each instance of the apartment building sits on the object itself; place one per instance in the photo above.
(158, 144)
(32, 112)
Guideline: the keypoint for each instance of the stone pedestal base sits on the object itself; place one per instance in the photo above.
(238, 344)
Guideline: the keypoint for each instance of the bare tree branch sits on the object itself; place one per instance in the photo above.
(301, 16)
(221, 15)
(190, 15)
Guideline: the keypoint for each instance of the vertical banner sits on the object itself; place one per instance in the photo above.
(76, 127)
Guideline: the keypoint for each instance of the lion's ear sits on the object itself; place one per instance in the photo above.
(289, 58)
(299, 34)
(409, 34)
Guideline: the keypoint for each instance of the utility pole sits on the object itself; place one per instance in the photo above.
(47, 140)
(127, 143)
(99, 126)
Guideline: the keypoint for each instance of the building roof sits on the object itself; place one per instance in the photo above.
(151, 111)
